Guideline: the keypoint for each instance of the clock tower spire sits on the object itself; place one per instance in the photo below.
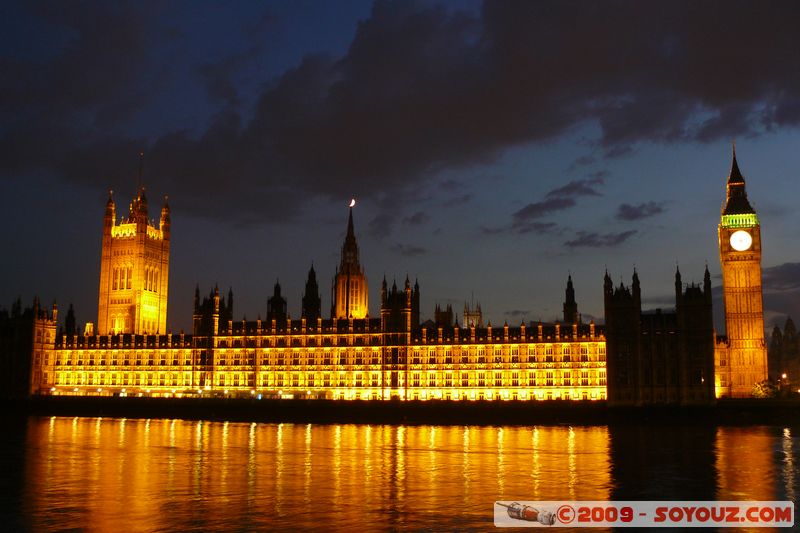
(741, 361)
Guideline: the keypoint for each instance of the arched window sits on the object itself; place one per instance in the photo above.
(130, 277)
(115, 278)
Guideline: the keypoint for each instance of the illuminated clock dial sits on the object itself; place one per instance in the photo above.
(741, 240)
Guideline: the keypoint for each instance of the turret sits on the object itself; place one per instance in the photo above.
(608, 286)
(138, 210)
(312, 305)
(276, 306)
(165, 222)
(109, 219)
(570, 305)
(69, 322)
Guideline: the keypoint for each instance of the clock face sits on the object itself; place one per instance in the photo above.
(741, 240)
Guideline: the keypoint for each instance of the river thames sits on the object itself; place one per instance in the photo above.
(104, 474)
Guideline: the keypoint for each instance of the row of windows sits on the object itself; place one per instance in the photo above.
(281, 358)
(250, 362)
(328, 379)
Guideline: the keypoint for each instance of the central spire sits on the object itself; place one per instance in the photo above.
(350, 283)
(350, 261)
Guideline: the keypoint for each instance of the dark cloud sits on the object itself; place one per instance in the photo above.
(600, 175)
(409, 250)
(419, 89)
(583, 187)
(640, 211)
(540, 209)
(528, 226)
(451, 185)
(381, 225)
(416, 219)
(783, 277)
(218, 78)
(582, 161)
(517, 313)
(486, 230)
(558, 199)
(596, 240)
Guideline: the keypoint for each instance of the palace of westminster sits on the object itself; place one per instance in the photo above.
(635, 358)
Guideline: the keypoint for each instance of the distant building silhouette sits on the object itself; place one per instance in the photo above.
(276, 306)
(473, 315)
(443, 318)
(26, 341)
(571, 315)
(312, 305)
(784, 354)
(659, 357)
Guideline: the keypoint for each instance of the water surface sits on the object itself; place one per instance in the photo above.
(98, 474)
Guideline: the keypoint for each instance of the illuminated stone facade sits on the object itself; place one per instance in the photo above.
(741, 356)
(653, 357)
(349, 356)
(134, 271)
(347, 359)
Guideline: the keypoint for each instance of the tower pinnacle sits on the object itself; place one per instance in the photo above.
(736, 202)
(350, 283)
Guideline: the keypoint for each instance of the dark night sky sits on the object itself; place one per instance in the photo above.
(493, 148)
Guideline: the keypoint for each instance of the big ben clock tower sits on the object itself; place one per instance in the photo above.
(742, 362)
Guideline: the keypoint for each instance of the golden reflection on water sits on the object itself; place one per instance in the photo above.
(756, 463)
(788, 469)
(143, 475)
